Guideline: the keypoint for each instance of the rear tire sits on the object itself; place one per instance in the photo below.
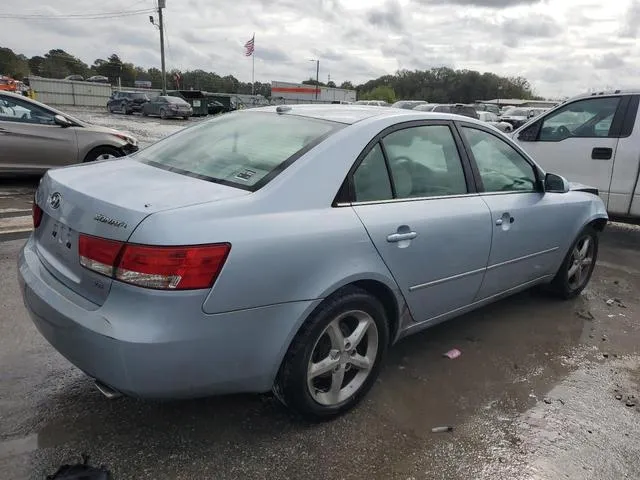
(576, 269)
(336, 356)
(102, 153)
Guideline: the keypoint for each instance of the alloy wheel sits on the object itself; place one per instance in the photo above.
(342, 358)
(580, 263)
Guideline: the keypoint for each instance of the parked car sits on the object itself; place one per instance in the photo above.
(487, 107)
(35, 137)
(493, 120)
(221, 259)
(594, 139)
(457, 109)
(519, 116)
(407, 104)
(167, 106)
(77, 78)
(98, 79)
(127, 102)
(375, 103)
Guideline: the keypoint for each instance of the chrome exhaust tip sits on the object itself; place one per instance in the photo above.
(106, 390)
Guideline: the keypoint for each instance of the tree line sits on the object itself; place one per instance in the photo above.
(438, 85)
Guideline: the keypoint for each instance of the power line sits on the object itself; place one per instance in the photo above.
(77, 16)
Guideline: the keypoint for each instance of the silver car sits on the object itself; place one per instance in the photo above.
(35, 137)
(286, 248)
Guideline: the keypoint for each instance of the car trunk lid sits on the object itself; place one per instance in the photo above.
(107, 200)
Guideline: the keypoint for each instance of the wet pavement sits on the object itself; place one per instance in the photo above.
(540, 392)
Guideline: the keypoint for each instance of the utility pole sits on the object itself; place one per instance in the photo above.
(162, 4)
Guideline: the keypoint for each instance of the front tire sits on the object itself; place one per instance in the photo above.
(163, 114)
(102, 153)
(576, 269)
(336, 356)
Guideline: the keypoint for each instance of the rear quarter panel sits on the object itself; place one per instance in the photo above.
(275, 257)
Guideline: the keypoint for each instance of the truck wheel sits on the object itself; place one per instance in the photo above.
(336, 356)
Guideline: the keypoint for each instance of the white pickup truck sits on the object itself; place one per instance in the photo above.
(593, 139)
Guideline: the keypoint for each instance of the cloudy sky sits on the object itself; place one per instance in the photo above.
(562, 46)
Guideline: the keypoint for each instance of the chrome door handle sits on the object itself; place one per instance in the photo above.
(499, 221)
(398, 237)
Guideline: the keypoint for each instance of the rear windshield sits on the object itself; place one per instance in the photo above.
(243, 149)
(138, 95)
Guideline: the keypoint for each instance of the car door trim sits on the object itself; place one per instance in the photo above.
(519, 259)
(407, 199)
(481, 270)
(447, 279)
(479, 302)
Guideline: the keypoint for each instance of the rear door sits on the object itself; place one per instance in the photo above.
(578, 140)
(529, 230)
(414, 195)
(30, 140)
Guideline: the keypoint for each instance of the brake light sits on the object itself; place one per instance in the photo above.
(99, 254)
(36, 214)
(158, 267)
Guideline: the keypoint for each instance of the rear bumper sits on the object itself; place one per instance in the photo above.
(158, 344)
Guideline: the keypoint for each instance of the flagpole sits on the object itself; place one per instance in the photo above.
(253, 66)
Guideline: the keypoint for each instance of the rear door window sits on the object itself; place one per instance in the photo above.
(244, 149)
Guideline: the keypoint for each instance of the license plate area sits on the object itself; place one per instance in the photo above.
(63, 240)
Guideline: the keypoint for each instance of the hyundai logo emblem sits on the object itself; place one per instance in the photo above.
(55, 200)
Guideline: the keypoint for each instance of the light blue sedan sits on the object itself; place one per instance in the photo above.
(286, 248)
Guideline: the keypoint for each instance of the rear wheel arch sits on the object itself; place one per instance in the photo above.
(388, 299)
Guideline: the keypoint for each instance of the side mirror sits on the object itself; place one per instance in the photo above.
(555, 183)
(62, 121)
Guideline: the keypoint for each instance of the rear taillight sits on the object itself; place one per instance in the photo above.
(99, 254)
(36, 213)
(163, 268)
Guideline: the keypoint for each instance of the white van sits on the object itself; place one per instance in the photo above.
(593, 139)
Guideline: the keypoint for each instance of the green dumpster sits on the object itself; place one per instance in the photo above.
(196, 99)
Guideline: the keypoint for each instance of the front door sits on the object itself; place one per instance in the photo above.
(578, 141)
(433, 235)
(30, 140)
(529, 230)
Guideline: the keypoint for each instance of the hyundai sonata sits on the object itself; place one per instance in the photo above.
(286, 248)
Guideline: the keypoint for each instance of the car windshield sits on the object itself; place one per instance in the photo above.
(139, 95)
(244, 149)
(518, 112)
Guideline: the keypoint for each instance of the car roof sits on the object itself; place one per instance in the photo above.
(630, 91)
(350, 114)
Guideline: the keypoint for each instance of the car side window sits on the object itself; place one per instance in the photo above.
(424, 162)
(371, 179)
(585, 118)
(501, 167)
(14, 110)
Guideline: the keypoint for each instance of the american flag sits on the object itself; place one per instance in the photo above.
(249, 47)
